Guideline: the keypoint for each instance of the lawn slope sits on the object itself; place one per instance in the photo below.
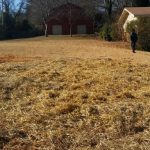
(75, 104)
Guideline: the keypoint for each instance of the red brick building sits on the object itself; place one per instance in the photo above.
(69, 19)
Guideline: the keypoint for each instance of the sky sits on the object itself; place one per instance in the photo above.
(16, 3)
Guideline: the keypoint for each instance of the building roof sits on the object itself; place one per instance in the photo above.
(61, 13)
(139, 11)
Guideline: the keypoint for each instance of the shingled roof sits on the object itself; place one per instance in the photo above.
(139, 11)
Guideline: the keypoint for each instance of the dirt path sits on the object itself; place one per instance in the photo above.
(66, 47)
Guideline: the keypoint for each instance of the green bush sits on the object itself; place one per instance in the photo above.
(14, 28)
(3, 32)
(104, 31)
(132, 25)
(114, 32)
(142, 26)
(144, 33)
(21, 30)
(109, 32)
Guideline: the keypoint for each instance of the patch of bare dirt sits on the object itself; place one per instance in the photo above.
(11, 58)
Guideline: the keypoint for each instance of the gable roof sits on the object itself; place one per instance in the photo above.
(139, 11)
(63, 12)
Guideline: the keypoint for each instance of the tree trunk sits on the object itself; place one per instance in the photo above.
(94, 25)
(70, 30)
(46, 30)
(2, 13)
(70, 20)
(110, 10)
(109, 6)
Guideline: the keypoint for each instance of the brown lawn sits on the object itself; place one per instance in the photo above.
(53, 99)
(66, 47)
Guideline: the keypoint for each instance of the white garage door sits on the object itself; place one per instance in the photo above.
(57, 30)
(81, 29)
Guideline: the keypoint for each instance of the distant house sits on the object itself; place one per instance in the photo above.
(130, 14)
(70, 19)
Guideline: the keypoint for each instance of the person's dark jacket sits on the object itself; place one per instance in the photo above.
(134, 37)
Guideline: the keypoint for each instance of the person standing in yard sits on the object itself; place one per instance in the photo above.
(134, 39)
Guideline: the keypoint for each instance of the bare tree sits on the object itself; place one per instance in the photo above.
(12, 7)
(117, 5)
(11, 16)
(88, 7)
(91, 8)
(2, 12)
(120, 4)
(42, 10)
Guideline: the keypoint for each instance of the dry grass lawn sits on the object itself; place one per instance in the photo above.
(66, 47)
(73, 94)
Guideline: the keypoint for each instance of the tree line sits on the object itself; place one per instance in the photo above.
(23, 18)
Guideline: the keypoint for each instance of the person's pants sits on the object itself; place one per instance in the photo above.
(133, 45)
